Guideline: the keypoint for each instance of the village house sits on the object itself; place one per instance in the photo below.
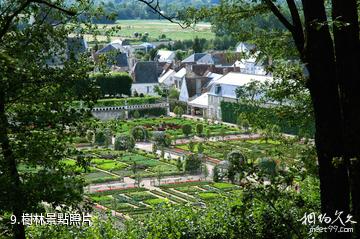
(145, 77)
(222, 89)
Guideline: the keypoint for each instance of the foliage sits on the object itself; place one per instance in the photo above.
(113, 84)
(39, 79)
(136, 114)
(139, 133)
(237, 164)
(178, 110)
(161, 138)
(199, 129)
(192, 164)
(124, 142)
(100, 138)
(187, 129)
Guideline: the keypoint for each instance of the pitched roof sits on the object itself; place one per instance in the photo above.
(181, 73)
(121, 60)
(193, 58)
(201, 101)
(166, 75)
(145, 72)
(240, 79)
(165, 56)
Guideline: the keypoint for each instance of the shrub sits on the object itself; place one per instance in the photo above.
(114, 83)
(161, 138)
(192, 164)
(199, 129)
(136, 114)
(124, 142)
(178, 111)
(187, 129)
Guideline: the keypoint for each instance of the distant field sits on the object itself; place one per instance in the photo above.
(155, 28)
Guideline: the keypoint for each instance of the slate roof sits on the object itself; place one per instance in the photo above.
(110, 47)
(145, 72)
(121, 60)
(193, 58)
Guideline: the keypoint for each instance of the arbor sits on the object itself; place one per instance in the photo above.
(39, 79)
(124, 142)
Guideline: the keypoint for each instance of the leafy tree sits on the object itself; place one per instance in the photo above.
(199, 129)
(191, 146)
(325, 53)
(174, 93)
(161, 139)
(39, 80)
(179, 165)
(200, 148)
(178, 110)
(124, 142)
(187, 129)
(208, 134)
(197, 47)
(192, 164)
(216, 176)
(237, 161)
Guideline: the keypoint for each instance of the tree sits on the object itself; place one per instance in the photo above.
(199, 129)
(186, 129)
(216, 176)
(192, 164)
(36, 117)
(191, 146)
(197, 47)
(179, 165)
(325, 51)
(236, 166)
(124, 142)
(178, 110)
(208, 134)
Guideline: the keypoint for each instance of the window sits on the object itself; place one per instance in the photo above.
(147, 89)
(218, 89)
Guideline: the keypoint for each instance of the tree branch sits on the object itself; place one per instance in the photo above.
(298, 33)
(51, 5)
(279, 15)
(156, 9)
(11, 17)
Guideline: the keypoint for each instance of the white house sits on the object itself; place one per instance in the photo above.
(179, 76)
(165, 56)
(167, 78)
(223, 89)
(145, 77)
(250, 66)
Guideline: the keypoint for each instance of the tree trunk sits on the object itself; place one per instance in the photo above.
(10, 168)
(323, 86)
(347, 48)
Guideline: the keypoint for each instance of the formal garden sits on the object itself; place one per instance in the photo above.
(135, 202)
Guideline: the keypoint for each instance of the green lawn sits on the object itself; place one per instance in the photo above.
(155, 28)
